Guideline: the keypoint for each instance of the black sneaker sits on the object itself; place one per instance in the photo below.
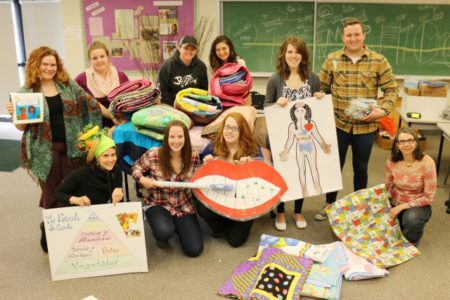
(43, 238)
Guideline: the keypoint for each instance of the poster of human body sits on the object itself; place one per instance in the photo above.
(304, 146)
(95, 240)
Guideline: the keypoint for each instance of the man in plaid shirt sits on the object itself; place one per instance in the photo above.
(350, 73)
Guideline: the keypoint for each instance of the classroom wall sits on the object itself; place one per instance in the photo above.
(72, 19)
(9, 75)
(72, 48)
(42, 25)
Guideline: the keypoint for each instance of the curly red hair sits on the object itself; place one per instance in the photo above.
(34, 62)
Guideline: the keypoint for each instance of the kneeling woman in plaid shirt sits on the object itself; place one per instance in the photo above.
(171, 210)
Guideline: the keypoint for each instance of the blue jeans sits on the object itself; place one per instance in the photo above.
(412, 221)
(361, 149)
(235, 232)
(186, 227)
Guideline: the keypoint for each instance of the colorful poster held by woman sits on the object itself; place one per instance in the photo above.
(28, 107)
(95, 240)
(304, 146)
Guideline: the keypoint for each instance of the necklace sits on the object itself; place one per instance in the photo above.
(408, 164)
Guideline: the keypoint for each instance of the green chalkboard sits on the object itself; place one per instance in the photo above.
(257, 29)
(415, 38)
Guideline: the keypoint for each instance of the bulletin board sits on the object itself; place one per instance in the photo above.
(139, 33)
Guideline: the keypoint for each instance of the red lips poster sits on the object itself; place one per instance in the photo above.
(257, 188)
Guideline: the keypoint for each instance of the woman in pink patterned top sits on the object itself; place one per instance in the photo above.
(412, 181)
(171, 210)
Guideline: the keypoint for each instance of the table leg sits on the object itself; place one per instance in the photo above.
(441, 143)
(127, 193)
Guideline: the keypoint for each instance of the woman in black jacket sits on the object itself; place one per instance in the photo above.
(99, 182)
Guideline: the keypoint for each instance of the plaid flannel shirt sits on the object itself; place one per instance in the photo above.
(347, 80)
(178, 201)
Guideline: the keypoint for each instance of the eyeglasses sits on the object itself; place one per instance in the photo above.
(232, 128)
(406, 142)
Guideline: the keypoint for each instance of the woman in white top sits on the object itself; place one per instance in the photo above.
(292, 81)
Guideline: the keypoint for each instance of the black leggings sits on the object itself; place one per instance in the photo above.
(186, 227)
(235, 232)
(298, 204)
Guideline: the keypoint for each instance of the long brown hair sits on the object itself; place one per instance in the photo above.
(247, 143)
(214, 61)
(164, 151)
(282, 67)
(34, 62)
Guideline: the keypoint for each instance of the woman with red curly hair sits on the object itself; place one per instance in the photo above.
(234, 142)
(49, 149)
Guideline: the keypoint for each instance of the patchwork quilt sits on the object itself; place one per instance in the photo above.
(272, 275)
(362, 221)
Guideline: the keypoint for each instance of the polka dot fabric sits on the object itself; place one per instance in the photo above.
(275, 282)
(272, 275)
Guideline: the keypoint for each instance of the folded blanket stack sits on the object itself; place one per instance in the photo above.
(231, 83)
(272, 275)
(331, 262)
(130, 145)
(132, 96)
(151, 121)
(199, 105)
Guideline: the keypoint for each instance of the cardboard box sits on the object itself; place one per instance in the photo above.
(425, 90)
(384, 141)
(411, 91)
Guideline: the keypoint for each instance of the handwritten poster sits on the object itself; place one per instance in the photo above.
(304, 146)
(95, 240)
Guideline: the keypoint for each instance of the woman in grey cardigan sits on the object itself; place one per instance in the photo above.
(291, 82)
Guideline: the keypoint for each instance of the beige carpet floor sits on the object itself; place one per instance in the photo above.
(25, 271)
